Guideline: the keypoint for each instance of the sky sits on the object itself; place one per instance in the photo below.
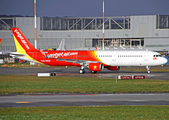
(84, 8)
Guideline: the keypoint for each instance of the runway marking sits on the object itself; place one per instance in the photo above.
(136, 100)
(22, 102)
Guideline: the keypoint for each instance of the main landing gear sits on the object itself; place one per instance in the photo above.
(148, 69)
(82, 70)
(93, 72)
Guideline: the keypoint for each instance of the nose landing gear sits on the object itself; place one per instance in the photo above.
(82, 70)
(148, 69)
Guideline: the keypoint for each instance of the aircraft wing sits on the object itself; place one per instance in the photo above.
(77, 61)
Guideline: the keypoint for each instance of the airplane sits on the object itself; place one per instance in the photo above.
(86, 59)
(61, 46)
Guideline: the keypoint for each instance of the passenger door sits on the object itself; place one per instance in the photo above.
(114, 57)
(146, 56)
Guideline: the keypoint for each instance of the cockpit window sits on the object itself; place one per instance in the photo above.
(157, 56)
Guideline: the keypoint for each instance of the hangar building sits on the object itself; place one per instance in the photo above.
(146, 31)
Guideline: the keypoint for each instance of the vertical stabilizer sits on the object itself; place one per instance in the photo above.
(25, 50)
(22, 44)
(62, 44)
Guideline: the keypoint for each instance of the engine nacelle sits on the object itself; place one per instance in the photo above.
(114, 68)
(96, 66)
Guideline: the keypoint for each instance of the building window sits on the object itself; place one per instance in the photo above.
(162, 22)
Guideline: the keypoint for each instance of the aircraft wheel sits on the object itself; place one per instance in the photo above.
(81, 71)
(93, 71)
(148, 71)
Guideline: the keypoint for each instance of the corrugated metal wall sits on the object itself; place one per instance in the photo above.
(141, 27)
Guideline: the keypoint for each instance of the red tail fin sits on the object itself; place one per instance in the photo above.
(21, 42)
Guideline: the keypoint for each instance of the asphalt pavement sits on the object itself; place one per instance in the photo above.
(30, 100)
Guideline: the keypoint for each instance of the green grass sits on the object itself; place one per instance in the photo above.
(11, 84)
(86, 113)
(22, 65)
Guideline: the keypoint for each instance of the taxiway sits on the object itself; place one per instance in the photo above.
(73, 72)
(83, 99)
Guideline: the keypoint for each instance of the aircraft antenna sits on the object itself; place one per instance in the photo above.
(103, 25)
(35, 22)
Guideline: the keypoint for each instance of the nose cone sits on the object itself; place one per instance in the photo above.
(164, 61)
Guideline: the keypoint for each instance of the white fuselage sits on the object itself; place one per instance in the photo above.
(131, 58)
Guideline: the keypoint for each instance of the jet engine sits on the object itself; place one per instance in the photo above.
(96, 66)
(114, 68)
